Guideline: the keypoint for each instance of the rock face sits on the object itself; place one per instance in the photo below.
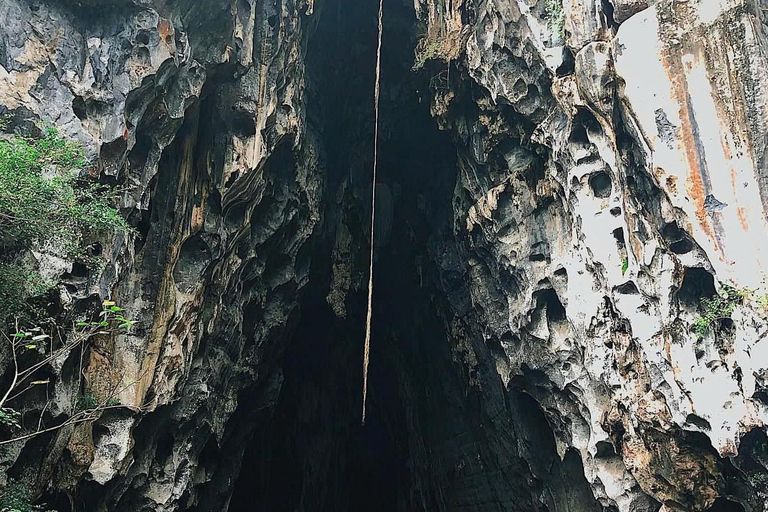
(196, 108)
(546, 263)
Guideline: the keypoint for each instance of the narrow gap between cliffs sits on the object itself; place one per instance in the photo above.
(313, 454)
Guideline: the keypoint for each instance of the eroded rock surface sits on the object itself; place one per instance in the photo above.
(542, 276)
(196, 109)
(589, 250)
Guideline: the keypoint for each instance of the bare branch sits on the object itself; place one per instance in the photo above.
(15, 373)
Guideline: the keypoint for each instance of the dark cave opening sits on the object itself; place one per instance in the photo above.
(313, 454)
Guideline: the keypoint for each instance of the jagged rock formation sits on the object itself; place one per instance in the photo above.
(196, 108)
(554, 208)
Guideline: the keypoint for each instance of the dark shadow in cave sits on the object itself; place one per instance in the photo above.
(442, 433)
(313, 455)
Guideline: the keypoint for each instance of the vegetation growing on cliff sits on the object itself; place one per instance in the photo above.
(45, 202)
(553, 10)
(17, 497)
(436, 44)
(48, 205)
(33, 349)
(717, 308)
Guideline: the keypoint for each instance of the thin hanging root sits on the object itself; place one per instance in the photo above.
(367, 350)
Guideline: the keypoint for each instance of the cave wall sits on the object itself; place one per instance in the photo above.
(635, 190)
(604, 179)
(195, 109)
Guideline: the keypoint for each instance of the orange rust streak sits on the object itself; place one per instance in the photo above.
(741, 213)
(164, 29)
(695, 184)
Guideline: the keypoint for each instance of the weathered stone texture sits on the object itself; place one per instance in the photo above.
(603, 189)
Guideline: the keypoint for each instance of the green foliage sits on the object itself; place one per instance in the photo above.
(429, 50)
(43, 200)
(114, 312)
(553, 10)
(624, 265)
(9, 418)
(86, 402)
(110, 319)
(16, 497)
(18, 282)
(762, 303)
(717, 308)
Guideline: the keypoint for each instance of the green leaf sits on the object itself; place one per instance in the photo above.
(104, 324)
(82, 324)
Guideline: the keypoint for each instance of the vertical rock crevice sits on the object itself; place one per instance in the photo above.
(558, 209)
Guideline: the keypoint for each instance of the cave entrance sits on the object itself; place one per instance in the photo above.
(313, 454)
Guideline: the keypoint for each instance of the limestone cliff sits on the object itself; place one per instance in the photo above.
(564, 189)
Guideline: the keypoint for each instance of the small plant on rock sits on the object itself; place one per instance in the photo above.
(437, 44)
(46, 350)
(717, 308)
(16, 497)
(86, 401)
(553, 10)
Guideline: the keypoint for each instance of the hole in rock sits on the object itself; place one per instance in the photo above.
(78, 107)
(678, 240)
(698, 421)
(142, 38)
(548, 298)
(618, 235)
(697, 283)
(761, 396)
(608, 13)
(242, 124)
(568, 65)
(628, 288)
(725, 505)
(605, 450)
(600, 183)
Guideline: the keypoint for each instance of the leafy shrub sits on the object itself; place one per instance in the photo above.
(437, 44)
(86, 402)
(44, 199)
(717, 308)
(9, 418)
(553, 10)
(45, 349)
(16, 497)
